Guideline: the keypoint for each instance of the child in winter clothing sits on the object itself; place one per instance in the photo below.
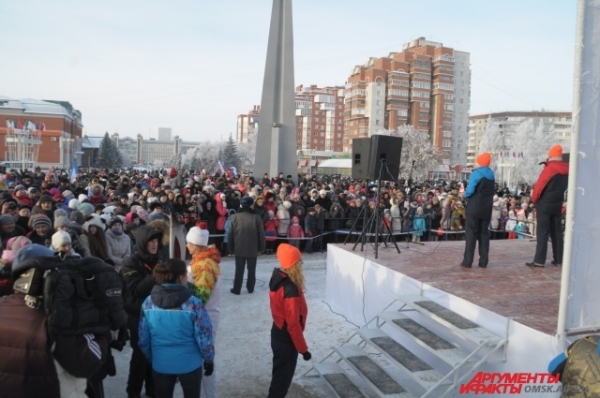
(511, 224)
(310, 228)
(418, 225)
(520, 228)
(531, 223)
(295, 231)
(503, 219)
(271, 226)
(230, 213)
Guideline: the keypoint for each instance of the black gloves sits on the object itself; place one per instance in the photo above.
(209, 368)
(307, 356)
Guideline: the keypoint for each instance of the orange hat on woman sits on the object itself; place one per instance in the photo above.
(555, 151)
(484, 159)
(288, 255)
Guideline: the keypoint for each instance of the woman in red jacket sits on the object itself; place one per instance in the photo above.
(289, 311)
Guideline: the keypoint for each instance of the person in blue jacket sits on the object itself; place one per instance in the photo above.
(480, 193)
(175, 333)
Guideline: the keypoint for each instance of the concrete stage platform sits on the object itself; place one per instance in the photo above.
(506, 287)
(507, 298)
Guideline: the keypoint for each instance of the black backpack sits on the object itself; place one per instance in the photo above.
(83, 295)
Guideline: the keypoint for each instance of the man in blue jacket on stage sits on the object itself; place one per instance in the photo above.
(480, 192)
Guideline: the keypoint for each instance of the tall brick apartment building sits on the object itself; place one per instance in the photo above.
(423, 86)
(39, 133)
(319, 119)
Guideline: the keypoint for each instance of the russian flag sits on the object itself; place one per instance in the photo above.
(219, 168)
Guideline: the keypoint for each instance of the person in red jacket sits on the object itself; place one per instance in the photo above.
(289, 310)
(548, 196)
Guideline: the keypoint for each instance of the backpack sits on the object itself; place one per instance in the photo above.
(83, 295)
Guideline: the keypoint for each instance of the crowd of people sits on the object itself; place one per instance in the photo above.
(125, 218)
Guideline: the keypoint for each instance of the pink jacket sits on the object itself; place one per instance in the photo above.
(295, 230)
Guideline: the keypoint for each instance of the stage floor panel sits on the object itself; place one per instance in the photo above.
(507, 286)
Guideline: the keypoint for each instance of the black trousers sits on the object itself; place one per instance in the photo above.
(140, 369)
(240, 265)
(548, 225)
(476, 231)
(285, 358)
(190, 384)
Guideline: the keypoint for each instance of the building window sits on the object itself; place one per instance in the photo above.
(379, 93)
(378, 102)
(377, 121)
(53, 139)
(446, 143)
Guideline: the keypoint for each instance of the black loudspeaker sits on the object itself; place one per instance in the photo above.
(566, 157)
(368, 154)
(361, 148)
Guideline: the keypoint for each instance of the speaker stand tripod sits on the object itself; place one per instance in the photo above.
(371, 224)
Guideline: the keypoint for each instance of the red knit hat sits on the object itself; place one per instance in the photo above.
(555, 151)
(288, 255)
(484, 159)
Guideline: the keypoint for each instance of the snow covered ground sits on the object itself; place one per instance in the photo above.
(243, 353)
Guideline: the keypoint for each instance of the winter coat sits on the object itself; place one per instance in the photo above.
(295, 230)
(118, 247)
(262, 212)
(138, 279)
(549, 190)
(289, 311)
(26, 364)
(283, 215)
(310, 225)
(97, 199)
(336, 214)
(480, 192)
(175, 330)
(204, 280)
(230, 213)
(247, 234)
(324, 202)
(271, 227)
(221, 208)
(495, 222)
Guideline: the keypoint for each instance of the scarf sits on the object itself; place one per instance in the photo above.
(205, 271)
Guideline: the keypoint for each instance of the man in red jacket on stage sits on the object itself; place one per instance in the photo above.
(548, 196)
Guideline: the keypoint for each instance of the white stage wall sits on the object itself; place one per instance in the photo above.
(349, 275)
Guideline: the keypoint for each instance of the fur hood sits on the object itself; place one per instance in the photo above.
(96, 220)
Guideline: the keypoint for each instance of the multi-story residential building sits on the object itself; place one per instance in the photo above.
(246, 123)
(39, 133)
(415, 87)
(319, 118)
(506, 123)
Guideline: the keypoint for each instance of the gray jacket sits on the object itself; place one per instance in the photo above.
(119, 248)
(246, 234)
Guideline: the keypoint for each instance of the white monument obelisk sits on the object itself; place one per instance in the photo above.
(276, 141)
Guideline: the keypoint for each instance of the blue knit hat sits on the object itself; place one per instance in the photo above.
(85, 208)
(27, 252)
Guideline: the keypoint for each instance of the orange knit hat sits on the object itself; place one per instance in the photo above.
(484, 159)
(288, 255)
(555, 151)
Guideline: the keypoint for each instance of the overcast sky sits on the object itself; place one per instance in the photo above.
(133, 66)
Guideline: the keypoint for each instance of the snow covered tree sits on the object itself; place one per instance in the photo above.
(203, 156)
(109, 156)
(529, 147)
(493, 142)
(231, 157)
(417, 146)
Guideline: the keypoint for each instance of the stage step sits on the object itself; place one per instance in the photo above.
(428, 382)
(409, 363)
(336, 378)
(382, 383)
(433, 343)
(451, 320)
